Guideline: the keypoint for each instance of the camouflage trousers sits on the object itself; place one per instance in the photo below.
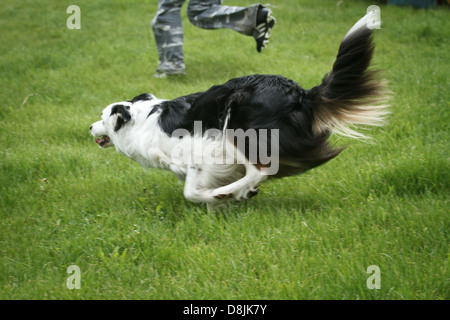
(206, 14)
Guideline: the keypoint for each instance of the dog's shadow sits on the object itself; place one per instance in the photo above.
(266, 201)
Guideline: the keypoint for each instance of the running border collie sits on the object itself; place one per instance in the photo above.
(190, 135)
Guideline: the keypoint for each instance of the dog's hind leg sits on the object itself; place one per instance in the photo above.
(248, 185)
(244, 188)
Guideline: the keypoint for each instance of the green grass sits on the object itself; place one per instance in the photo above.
(64, 201)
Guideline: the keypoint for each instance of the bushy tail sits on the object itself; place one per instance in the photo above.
(350, 94)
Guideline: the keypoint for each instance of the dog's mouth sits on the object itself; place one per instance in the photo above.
(103, 142)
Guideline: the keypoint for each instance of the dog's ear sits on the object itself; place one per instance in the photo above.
(142, 97)
(123, 115)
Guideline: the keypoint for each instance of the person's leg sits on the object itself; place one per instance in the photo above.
(210, 14)
(168, 32)
(255, 20)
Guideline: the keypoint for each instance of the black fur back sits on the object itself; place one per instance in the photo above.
(256, 102)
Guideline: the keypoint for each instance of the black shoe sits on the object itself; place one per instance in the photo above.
(264, 24)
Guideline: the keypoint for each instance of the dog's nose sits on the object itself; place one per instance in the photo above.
(90, 128)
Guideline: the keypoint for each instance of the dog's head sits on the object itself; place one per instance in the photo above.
(119, 116)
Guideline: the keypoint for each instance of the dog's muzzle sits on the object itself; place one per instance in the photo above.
(103, 142)
(101, 138)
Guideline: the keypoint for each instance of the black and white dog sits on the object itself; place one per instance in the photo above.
(227, 140)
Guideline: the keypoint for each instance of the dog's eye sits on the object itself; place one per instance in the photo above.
(127, 107)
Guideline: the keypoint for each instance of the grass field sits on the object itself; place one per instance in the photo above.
(66, 202)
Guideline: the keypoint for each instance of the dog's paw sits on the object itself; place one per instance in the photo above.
(223, 196)
(252, 193)
(246, 193)
(226, 193)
